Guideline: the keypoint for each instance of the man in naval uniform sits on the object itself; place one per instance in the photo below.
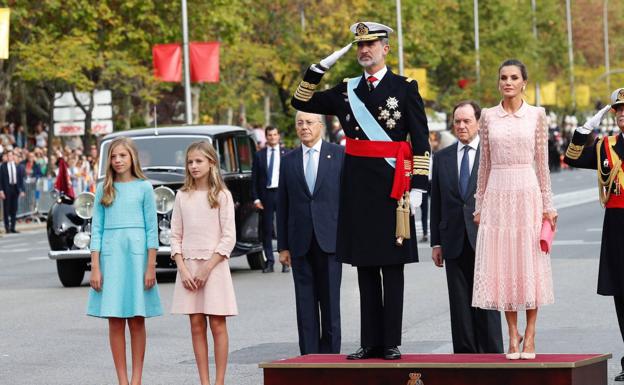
(383, 175)
(606, 155)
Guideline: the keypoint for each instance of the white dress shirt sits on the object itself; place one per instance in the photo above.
(12, 173)
(378, 75)
(315, 155)
(472, 153)
(274, 182)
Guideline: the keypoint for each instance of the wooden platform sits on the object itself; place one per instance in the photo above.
(439, 369)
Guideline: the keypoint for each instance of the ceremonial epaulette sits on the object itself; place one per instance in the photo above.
(574, 151)
(305, 91)
(409, 80)
(345, 80)
(421, 164)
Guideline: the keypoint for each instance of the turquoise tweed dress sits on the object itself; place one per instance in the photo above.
(122, 233)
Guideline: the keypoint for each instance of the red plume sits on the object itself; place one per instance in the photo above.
(63, 180)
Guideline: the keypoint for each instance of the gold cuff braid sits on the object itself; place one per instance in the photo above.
(574, 151)
(304, 91)
(421, 164)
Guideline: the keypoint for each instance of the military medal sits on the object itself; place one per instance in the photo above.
(390, 123)
(392, 103)
(384, 114)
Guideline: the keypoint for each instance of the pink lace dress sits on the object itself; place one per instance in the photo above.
(513, 192)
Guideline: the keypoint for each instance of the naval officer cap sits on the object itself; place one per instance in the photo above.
(617, 97)
(369, 31)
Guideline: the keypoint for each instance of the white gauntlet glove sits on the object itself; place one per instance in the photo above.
(415, 199)
(330, 60)
(593, 122)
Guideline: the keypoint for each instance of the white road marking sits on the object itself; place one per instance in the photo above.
(15, 251)
(575, 198)
(575, 242)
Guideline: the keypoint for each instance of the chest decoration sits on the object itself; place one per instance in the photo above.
(390, 114)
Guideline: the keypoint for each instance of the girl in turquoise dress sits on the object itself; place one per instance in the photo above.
(124, 241)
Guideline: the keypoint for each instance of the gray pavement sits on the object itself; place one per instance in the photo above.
(45, 338)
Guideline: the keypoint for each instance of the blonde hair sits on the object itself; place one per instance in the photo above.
(215, 180)
(109, 190)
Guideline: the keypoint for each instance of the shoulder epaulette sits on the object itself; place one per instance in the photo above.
(409, 80)
(345, 80)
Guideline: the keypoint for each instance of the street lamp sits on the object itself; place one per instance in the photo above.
(186, 66)
(605, 22)
(400, 36)
(570, 54)
(476, 39)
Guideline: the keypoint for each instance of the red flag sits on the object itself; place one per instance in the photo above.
(167, 60)
(204, 58)
(63, 180)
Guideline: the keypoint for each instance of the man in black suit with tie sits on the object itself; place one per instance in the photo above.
(454, 234)
(265, 180)
(307, 221)
(11, 188)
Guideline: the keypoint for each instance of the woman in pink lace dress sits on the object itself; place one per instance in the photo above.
(513, 197)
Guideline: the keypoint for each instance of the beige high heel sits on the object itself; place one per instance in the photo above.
(516, 355)
(527, 355)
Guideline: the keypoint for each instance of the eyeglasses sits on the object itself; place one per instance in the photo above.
(302, 123)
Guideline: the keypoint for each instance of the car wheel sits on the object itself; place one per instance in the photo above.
(71, 273)
(256, 260)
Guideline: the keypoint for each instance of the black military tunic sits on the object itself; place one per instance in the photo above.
(367, 217)
(611, 271)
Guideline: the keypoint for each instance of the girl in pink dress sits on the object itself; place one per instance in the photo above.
(203, 235)
(513, 198)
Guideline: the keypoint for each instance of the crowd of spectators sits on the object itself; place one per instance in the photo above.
(31, 153)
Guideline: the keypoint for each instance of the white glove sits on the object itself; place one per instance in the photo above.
(333, 58)
(415, 199)
(593, 122)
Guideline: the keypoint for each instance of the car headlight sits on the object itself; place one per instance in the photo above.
(82, 240)
(165, 197)
(165, 237)
(83, 204)
(164, 224)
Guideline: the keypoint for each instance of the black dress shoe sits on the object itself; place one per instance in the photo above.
(619, 377)
(285, 269)
(15, 231)
(268, 269)
(364, 353)
(391, 353)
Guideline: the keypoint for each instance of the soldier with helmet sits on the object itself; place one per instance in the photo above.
(385, 171)
(605, 155)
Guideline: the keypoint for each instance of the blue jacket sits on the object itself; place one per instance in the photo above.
(259, 173)
(301, 213)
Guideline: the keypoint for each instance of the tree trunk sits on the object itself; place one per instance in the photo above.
(195, 94)
(267, 110)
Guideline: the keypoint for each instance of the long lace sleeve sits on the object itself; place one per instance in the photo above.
(541, 161)
(484, 162)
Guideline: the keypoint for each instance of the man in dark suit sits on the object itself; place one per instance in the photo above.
(11, 188)
(383, 175)
(454, 234)
(307, 214)
(265, 180)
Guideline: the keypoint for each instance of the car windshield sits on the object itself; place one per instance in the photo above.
(157, 152)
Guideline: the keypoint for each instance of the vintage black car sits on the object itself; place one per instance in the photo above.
(162, 155)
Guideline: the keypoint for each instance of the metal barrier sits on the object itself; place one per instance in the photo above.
(37, 199)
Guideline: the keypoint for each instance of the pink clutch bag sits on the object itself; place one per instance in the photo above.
(546, 236)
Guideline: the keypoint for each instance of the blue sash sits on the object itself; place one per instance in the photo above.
(366, 120)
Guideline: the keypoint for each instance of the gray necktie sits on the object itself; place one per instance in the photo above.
(310, 172)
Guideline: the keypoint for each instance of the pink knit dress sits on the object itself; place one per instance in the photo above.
(197, 232)
(513, 192)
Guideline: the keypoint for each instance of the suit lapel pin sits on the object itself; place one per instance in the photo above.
(328, 156)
